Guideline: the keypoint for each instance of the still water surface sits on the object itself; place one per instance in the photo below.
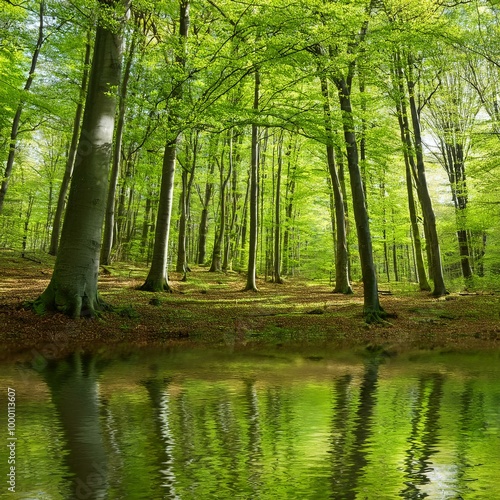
(259, 425)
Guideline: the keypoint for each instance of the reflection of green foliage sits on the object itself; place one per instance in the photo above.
(274, 425)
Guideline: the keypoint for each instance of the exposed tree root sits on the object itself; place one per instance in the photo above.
(378, 317)
(72, 305)
(156, 286)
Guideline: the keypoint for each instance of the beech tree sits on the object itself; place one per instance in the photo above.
(73, 286)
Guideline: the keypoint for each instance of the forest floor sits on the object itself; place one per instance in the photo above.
(211, 309)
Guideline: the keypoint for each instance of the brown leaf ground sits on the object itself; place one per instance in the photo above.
(210, 309)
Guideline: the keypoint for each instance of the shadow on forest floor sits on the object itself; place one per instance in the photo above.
(210, 309)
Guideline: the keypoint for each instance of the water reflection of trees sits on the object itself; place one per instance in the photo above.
(424, 435)
(178, 436)
(73, 385)
(351, 430)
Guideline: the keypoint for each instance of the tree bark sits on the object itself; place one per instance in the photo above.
(205, 201)
(277, 218)
(219, 240)
(410, 168)
(157, 279)
(109, 222)
(70, 161)
(251, 284)
(73, 287)
(185, 201)
(342, 282)
(372, 310)
(423, 191)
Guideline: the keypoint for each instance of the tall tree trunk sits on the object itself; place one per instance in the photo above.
(454, 161)
(372, 309)
(277, 217)
(17, 117)
(205, 201)
(70, 161)
(342, 284)
(410, 170)
(289, 200)
(29, 209)
(423, 191)
(73, 287)
(109, 222)
(146, 224)
(157, 279)
(185, 200)
(219, 239)
(254, 194)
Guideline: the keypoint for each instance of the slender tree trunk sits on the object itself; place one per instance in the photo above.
(372, 309)
(157, 279)
(423, 191)
(342, 284)
(70, 161)
(394, 251)
(242, 234)
(146, 224)
(203, 229)
(289, 197)
(419, 260)
(410, 168)
(220, 237)
(187, 183)
(73, 287)
(254, 195)
(231, 239)
(17, 117)
(277, 217)
(109, 222)
(29, 210)
(454, 162)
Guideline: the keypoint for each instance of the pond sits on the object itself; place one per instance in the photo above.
(200, 424)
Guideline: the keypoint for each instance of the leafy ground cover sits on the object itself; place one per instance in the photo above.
(211, 309)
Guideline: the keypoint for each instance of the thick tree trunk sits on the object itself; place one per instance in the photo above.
(372, 309)
(251, 284)
(342, 283)
(73, 287)
(70, 161)
(109, 222)
(17, 117)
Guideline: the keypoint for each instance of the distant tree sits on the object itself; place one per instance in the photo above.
(14, 132)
